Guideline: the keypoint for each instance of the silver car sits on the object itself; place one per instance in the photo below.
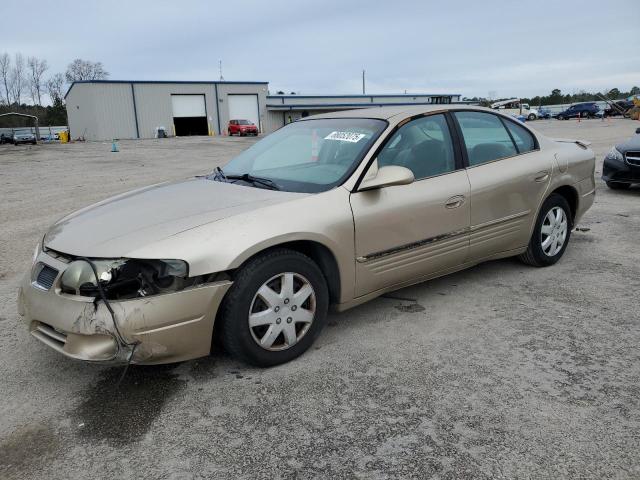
(24, 136)
(329, 211)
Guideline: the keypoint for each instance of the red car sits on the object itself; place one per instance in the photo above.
(242, 128)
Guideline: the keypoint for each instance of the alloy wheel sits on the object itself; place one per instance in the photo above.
(282, 311)
(553, 233)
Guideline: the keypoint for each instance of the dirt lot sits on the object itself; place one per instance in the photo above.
(501, 371)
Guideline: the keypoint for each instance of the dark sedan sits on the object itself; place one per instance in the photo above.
(622, 164)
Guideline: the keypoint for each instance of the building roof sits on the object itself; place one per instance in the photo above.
(385, 95)
(387, 112)
(197, 82)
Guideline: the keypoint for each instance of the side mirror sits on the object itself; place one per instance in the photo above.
(638, 130)
(386, 177)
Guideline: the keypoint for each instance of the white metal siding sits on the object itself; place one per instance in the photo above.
(225, 90)
(153, 101)
(101, 111)
(188, 106)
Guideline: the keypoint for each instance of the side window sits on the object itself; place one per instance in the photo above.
(485, 137)
(524, 140)
(423, 146)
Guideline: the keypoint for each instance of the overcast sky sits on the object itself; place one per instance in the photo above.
(512, 48)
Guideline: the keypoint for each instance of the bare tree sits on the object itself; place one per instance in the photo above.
(5, 73)
(17, 78)
(85, 70)
(54, 87)
(37, 68)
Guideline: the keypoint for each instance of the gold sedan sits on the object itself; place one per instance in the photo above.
(330, 211)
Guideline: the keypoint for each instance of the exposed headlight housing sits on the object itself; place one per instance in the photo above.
(123, 278)
(614, 154)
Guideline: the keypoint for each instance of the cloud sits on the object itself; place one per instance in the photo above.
(514, 48)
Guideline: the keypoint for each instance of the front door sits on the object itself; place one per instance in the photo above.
(509, 177)
(406, 232)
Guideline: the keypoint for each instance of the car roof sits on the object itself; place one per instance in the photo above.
(385, 113)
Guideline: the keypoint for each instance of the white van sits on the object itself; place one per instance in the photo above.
(514, 107)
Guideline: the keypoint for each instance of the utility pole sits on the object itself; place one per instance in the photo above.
(220, 69)
(363, 89)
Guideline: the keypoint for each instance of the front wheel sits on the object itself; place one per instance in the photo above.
(560, 117)
(550, 234)
(275, 308)
(532, 117)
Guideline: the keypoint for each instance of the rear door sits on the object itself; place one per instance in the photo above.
(406, 232)
(509, 176)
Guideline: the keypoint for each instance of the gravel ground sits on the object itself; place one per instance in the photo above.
(500, 371)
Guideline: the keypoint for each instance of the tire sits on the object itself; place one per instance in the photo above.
(537, 254)
(618, 185)
(531, 117)
(584, 114)
(230, 133)
(269, 269)
(560, 117)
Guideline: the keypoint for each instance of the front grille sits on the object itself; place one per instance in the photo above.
(633, 158)
(46, 276)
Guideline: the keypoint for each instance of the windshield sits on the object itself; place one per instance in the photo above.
(244, 122)
(308, 156)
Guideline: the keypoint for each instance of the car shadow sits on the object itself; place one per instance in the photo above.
(121, 410)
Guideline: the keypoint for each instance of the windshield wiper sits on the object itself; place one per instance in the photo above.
(245, 177)
(220, 176)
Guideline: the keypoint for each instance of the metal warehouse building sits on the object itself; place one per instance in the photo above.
(283, 109)
(107, 109)
(124, 109)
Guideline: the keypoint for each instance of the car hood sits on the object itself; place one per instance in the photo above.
(632, 144)
(114, 227)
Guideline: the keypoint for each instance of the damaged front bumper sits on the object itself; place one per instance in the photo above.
(168, 328)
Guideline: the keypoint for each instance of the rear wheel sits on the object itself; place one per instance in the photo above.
(551, 233)
(560, 117)
(618, 185)
(532, 117)
(275, 308)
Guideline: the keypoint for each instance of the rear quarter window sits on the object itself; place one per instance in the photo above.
(485, 137)
(521, 136)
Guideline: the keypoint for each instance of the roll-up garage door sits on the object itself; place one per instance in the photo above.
(244, 107)
(189, 115)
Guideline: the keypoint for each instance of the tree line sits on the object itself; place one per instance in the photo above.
(24, 85)
(556, 97)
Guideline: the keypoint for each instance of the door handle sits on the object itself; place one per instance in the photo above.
(542, 176)
(455, 201)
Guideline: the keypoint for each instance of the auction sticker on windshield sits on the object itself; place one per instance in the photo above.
(352, 137)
